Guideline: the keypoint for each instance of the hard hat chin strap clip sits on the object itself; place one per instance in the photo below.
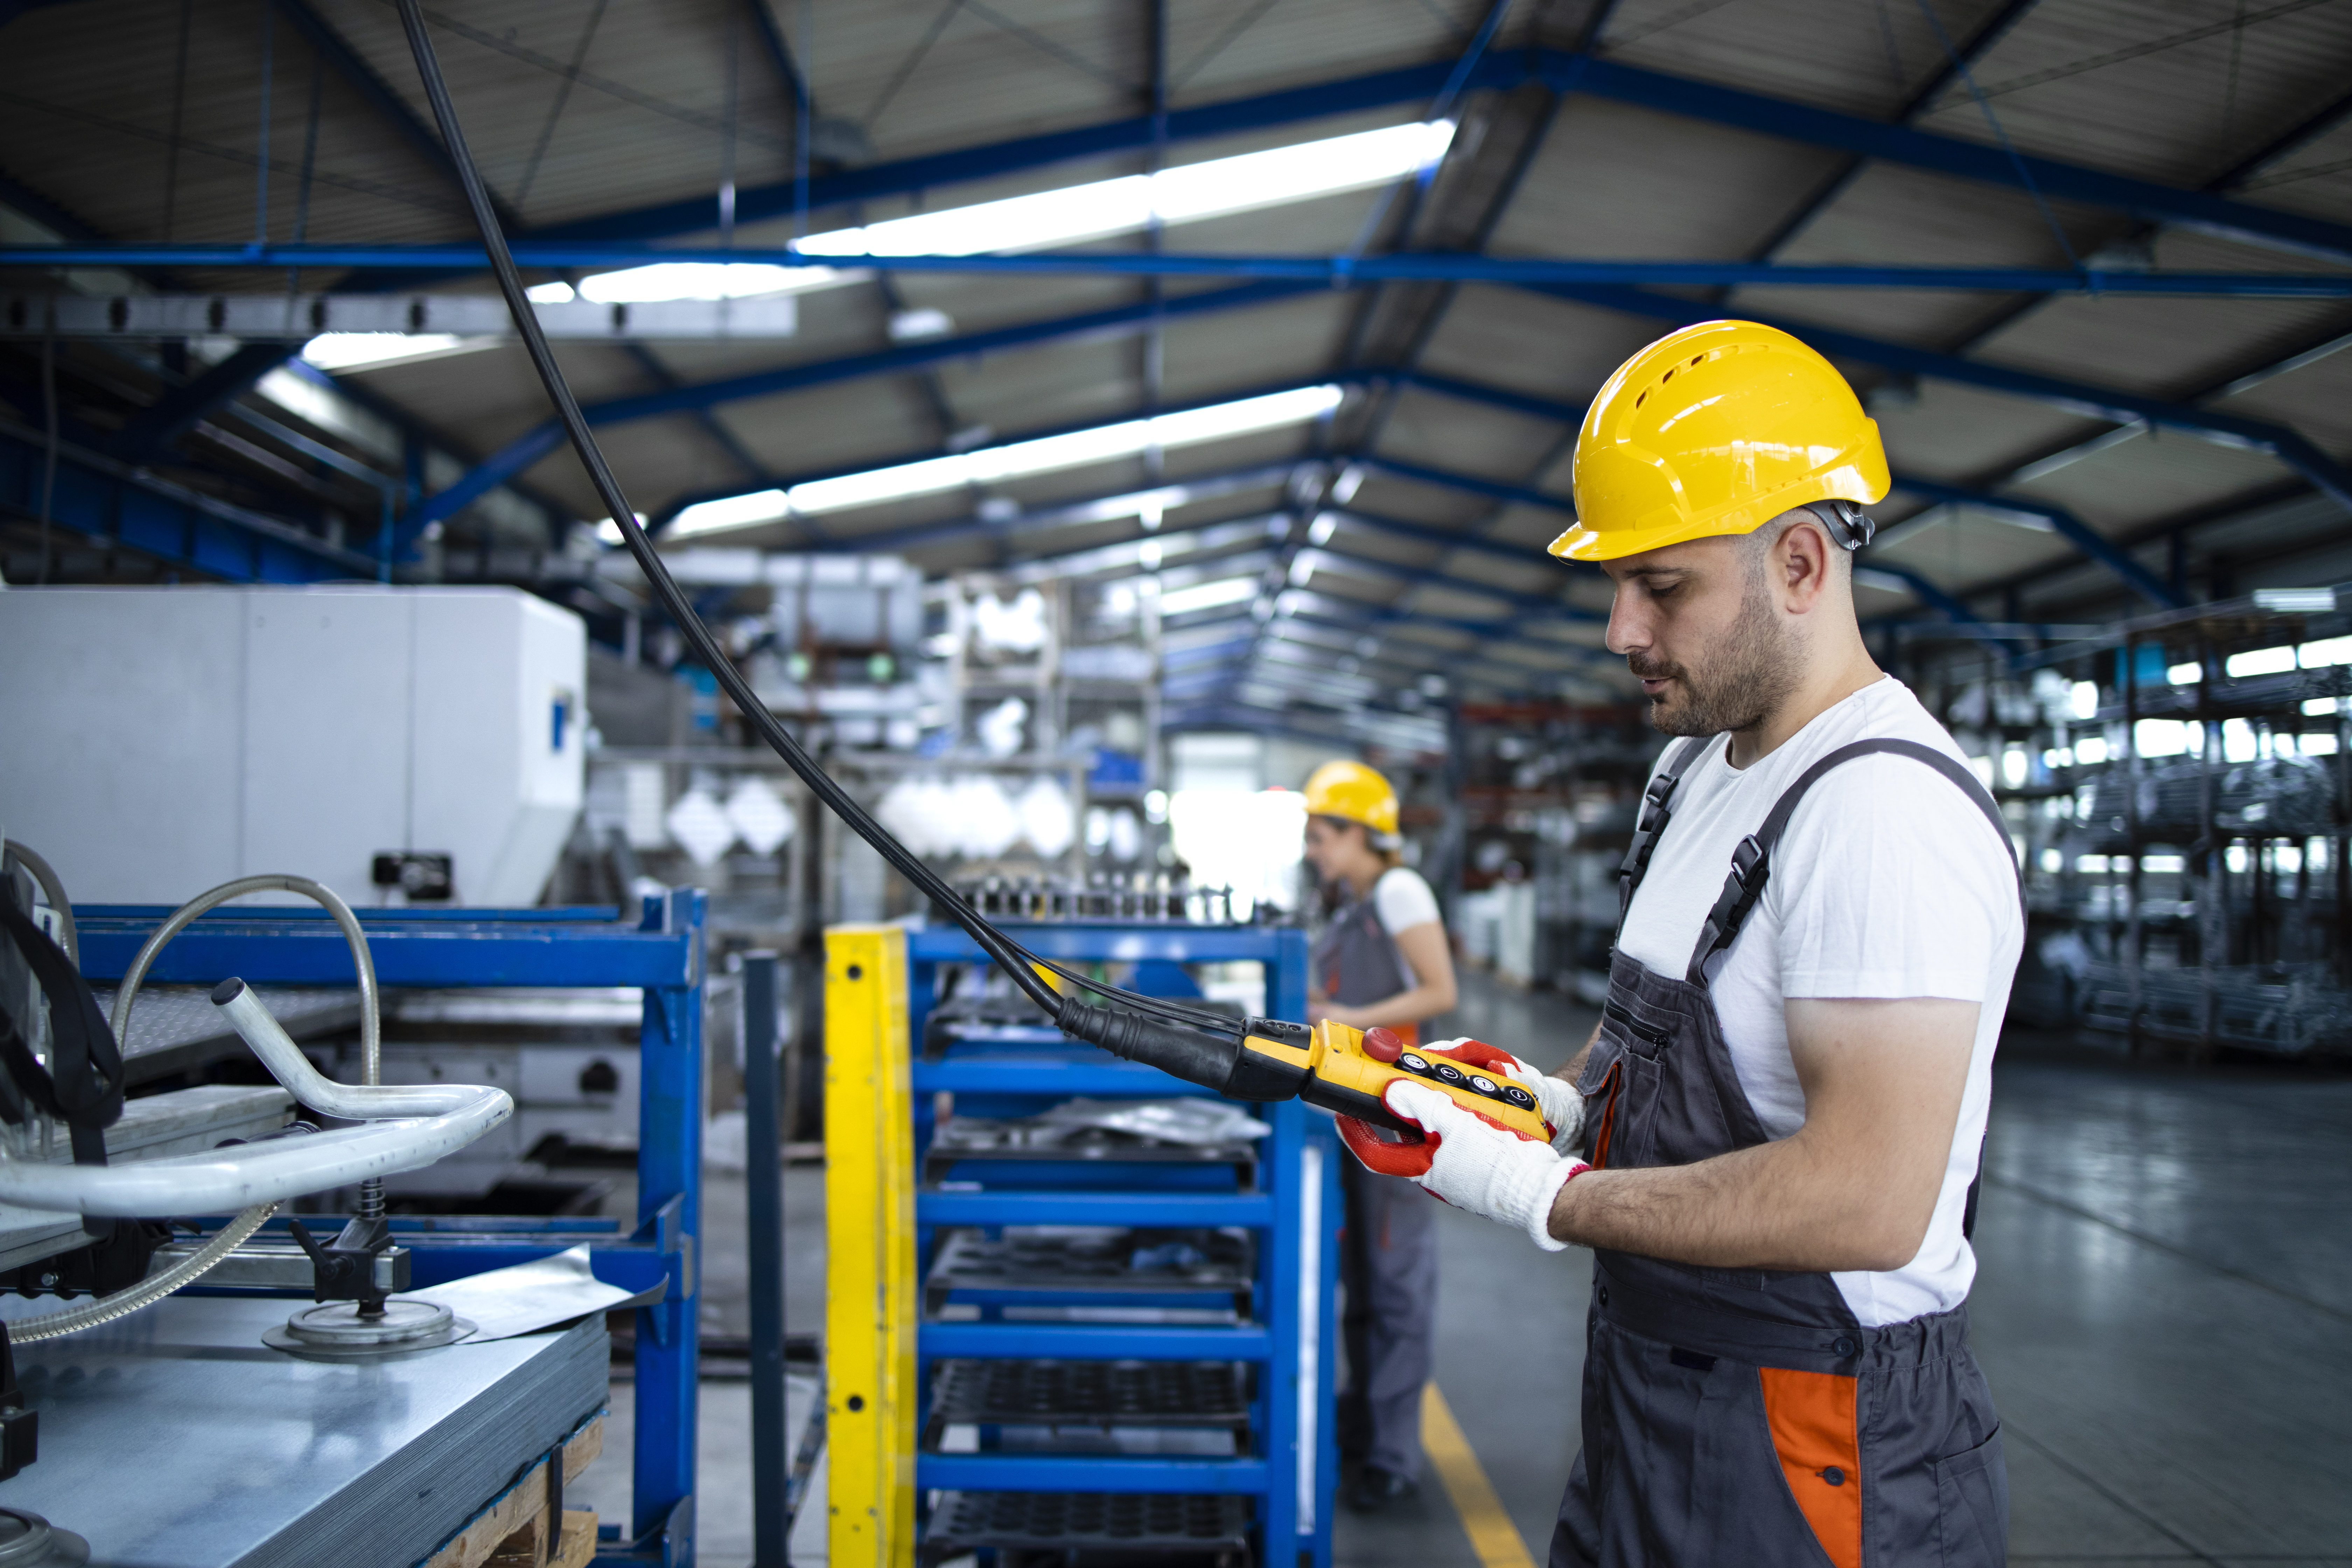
(1849, 526)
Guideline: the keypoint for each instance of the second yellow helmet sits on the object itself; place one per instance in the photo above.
(1353, 793)
(1718, 428)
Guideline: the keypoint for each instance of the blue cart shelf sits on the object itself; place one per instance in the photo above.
(663, 955)
(1286, 1464)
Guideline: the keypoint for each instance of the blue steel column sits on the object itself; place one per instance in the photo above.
(764, 1205)
(669, 1206)
(1298, 1421)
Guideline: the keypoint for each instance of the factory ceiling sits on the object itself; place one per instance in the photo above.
(2087, 260)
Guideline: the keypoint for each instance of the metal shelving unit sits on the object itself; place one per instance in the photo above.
(2187, 887)
(663, 955)
(1227, 1347)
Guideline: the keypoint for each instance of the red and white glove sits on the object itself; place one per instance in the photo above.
(1558, 1100)
(1479, 1165)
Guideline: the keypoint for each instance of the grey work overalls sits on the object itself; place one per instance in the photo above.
(1388, 1252)
(1744, 1416)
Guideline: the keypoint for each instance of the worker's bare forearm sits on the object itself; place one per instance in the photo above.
(1856, 1187)
(1404, 1007)
(1776, 1205)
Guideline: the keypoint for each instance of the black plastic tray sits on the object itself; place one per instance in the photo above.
(1092, 1393)
(961, 1139)
(971, 1265)
(1091, 1528)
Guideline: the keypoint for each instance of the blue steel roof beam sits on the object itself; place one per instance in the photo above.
(721, 437)
(1565, 72)
(2289, 447)
(1526, 604)
(2265, 226)
(2068, 526)
(119, 504)
(440, 263)
(154, 428)
(417, 432)
(526, 450)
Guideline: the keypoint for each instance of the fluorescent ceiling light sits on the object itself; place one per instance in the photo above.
(1216, 188)
(373, 351)
(701, 280)
(556, 293)
(992, 465)
(1207, 595)
(1098, 210)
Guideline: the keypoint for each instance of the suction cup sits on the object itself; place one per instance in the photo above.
(28, 1540)
(337, 1331)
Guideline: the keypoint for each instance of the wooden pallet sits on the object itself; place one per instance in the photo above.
(527, 1525)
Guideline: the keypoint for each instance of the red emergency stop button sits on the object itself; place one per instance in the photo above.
(1384, 1045)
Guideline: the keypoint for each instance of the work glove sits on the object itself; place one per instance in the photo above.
(1477, 1164)
(1560, 1104)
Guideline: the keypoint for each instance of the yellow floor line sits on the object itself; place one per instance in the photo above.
(1493, 1536)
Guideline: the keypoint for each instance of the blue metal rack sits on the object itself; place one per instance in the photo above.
(665, 955)
(1290, 1471)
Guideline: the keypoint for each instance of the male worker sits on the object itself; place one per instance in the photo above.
(1784, 1105)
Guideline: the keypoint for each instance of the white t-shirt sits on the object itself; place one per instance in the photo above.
(1888, 882)
(1402, 900)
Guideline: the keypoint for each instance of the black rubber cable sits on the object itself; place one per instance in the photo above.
(1017, 962)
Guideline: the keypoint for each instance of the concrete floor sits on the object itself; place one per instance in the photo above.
(2164, 1308)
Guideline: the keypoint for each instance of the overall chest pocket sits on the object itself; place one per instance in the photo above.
(1621, 1085)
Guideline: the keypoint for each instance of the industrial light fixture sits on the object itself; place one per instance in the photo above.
(1015, 459)
(1207, 595)
(355, 350)
(1099, 209)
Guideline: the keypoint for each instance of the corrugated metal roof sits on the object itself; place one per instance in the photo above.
(588, 110)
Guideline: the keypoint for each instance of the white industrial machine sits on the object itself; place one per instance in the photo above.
(398, 744)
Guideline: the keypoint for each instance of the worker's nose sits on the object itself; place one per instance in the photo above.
(1628, 628)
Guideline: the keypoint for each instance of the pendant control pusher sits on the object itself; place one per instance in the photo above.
(1328, 1065)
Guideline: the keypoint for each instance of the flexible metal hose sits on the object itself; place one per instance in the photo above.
(69, 935)
(370, 1019)
(147, 1292)
(371, 1027)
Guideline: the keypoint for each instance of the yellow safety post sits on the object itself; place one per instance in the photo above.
(869, 1237)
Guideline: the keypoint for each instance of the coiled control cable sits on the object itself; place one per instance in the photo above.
(1194, 1043)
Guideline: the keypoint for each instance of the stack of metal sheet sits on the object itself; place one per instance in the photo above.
(172, 1439)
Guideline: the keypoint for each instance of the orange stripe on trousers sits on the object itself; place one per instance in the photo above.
(1811, 1417)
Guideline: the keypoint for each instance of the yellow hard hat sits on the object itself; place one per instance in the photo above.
(1718, 428)
(1353, 793)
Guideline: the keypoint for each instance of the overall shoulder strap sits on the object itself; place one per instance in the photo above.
(1751, 862)
(1657, 810)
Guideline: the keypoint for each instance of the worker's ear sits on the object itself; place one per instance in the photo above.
(1801, 564)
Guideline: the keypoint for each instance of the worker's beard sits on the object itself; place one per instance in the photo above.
(1742, 683)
